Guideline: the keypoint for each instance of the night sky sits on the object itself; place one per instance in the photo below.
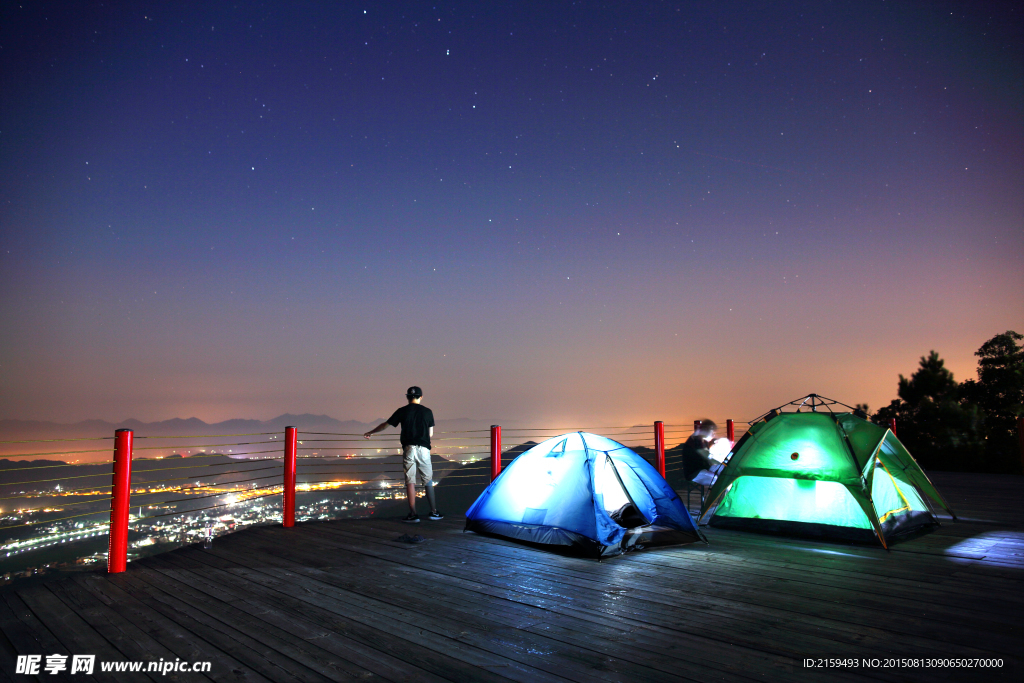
(600, 213)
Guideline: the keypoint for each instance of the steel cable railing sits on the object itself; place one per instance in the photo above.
(170, 515)
(34, 505)
(370, 473)
(36, 522)
(355, 461)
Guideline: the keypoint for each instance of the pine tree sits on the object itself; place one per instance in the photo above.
(938, 426)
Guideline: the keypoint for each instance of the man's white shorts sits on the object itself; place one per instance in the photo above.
(416, 460)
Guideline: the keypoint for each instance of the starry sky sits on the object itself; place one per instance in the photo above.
(593, 212)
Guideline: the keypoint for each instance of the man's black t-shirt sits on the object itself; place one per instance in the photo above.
(416, 421)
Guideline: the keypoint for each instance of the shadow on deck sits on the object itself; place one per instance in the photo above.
(345, 601)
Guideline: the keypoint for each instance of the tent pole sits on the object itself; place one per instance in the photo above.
(849, 446)
(868, 509)
(705, 506)
(713, 503)
(611, 463)
(868, 506)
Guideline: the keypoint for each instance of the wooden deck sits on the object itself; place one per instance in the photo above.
(344, 601)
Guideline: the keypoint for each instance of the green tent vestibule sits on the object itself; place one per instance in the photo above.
(828, 474)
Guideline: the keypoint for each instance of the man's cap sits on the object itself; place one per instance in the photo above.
(414, 392)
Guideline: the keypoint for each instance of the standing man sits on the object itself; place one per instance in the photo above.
(417, 422)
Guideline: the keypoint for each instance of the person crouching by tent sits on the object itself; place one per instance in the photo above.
(698, 465)
(417, 423)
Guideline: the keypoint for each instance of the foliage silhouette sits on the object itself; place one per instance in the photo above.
(999, 393)
(969, 426)
(932, 421)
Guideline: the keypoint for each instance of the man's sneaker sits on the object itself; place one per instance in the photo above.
(435, 515)
(412, 518)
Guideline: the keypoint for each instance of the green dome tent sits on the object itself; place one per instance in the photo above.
(823, 473)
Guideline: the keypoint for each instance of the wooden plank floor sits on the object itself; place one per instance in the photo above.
(341, 601)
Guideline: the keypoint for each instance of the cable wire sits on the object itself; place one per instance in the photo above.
(187, 512)
(207, 487)
(23, 455)
(84, 438)
(77, 476)
(211, 445)
(215, 455)
(210, 436)
(50, 521)
(67, 464)
(212, 495)
(85, 502)
(189, 467)
(63, 491)
(203, 476)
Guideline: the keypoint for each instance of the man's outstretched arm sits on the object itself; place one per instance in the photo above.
(381, 426)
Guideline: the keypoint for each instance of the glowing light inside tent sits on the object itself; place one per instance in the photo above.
(808, 454)
(811, 468)
(793, 500)
(607, 484)
(719, 449)
(567, 487)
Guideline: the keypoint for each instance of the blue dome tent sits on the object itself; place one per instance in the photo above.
(584, 491)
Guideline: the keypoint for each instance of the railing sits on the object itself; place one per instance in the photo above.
(263, 466)
(216, 469)
(21, 515)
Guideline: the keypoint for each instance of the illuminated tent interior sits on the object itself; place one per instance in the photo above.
(583, 492)
(822, 473)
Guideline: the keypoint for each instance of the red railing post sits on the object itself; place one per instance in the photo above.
(291, 438)
(892, 425)
(730, 431)
(495, 451)
(117, 547)
(659, 446)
